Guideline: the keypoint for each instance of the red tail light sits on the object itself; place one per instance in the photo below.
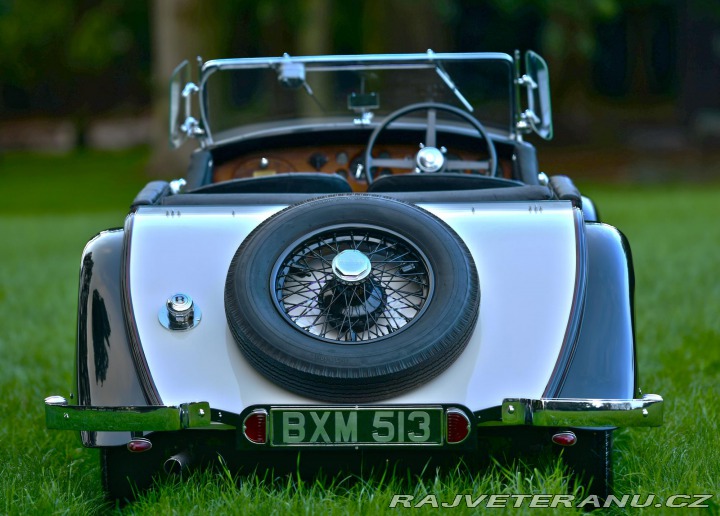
(255, 425)
(139, 445)
(564, 438)
(458, 426)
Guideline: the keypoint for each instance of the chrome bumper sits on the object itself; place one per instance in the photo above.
(61, 416)
(647, 411)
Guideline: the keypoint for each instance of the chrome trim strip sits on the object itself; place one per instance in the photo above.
(386, 60)
(60, 416)
(647, 411)
(572, 332)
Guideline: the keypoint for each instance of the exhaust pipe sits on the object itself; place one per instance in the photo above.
(179, 463)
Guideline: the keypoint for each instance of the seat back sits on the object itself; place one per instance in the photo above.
(438, 182)
(297, 182)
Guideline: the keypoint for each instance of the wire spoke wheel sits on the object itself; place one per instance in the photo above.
(316, 290)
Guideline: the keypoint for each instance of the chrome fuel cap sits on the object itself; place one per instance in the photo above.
(351, 266)
(179, 313)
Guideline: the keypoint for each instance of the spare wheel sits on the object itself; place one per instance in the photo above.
(352, 298)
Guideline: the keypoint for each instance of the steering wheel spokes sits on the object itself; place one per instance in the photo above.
(404, 163)
(431, 129)
(456, 164)
(430, 158)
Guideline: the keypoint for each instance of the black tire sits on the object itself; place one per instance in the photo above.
(363, 367)
(125, 474)
(590, 459)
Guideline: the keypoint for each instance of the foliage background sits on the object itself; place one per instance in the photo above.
(623, 73)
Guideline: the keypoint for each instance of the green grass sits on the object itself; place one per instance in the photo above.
(675, 234)
(87, 182)
(674, 231)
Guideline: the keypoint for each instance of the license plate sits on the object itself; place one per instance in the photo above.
(351, 426)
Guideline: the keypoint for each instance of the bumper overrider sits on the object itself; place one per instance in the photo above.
(357, 425)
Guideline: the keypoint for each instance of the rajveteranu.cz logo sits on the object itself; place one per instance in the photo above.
(694, 501)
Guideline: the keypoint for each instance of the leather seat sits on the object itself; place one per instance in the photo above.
(297, 182)
(438, 182)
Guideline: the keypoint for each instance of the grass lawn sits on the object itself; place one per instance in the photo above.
(52, 206)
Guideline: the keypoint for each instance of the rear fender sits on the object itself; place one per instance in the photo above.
(603, 363)
(105, 373)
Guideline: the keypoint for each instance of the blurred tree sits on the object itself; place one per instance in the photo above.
(313, 38)
(30, 40)
(175, 37)
(566, 30)
(699, 48)
(85, 58)
(73, 58)
(313, 35)
(398, 26)
(102, 56)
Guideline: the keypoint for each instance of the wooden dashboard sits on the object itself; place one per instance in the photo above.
(341, 159)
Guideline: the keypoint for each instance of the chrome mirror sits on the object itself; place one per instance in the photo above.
(536, 80)
(537, 117)
(182, 123)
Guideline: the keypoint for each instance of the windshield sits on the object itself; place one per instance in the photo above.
(354, 89)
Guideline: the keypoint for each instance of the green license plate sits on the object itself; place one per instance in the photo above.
(301, 426)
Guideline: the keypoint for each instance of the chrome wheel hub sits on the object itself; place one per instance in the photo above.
(430, 159)
(351, 266)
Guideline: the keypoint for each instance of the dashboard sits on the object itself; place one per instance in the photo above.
(340, 159)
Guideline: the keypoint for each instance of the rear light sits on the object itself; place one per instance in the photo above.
(139, 445)
(564, 438)
(255, 425)
(458, 426)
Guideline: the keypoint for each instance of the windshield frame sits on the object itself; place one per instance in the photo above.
(350, 62)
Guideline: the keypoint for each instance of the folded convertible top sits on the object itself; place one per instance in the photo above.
(517, 193)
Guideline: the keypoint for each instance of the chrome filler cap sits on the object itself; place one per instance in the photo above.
(179, 313)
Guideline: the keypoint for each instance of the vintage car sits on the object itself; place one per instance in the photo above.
(358, 268)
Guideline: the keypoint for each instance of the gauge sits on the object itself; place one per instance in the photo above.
(342, 158)
(317, 160)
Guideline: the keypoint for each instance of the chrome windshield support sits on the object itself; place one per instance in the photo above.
(647, 411)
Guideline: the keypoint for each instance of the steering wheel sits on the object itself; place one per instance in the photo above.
(429, 158)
